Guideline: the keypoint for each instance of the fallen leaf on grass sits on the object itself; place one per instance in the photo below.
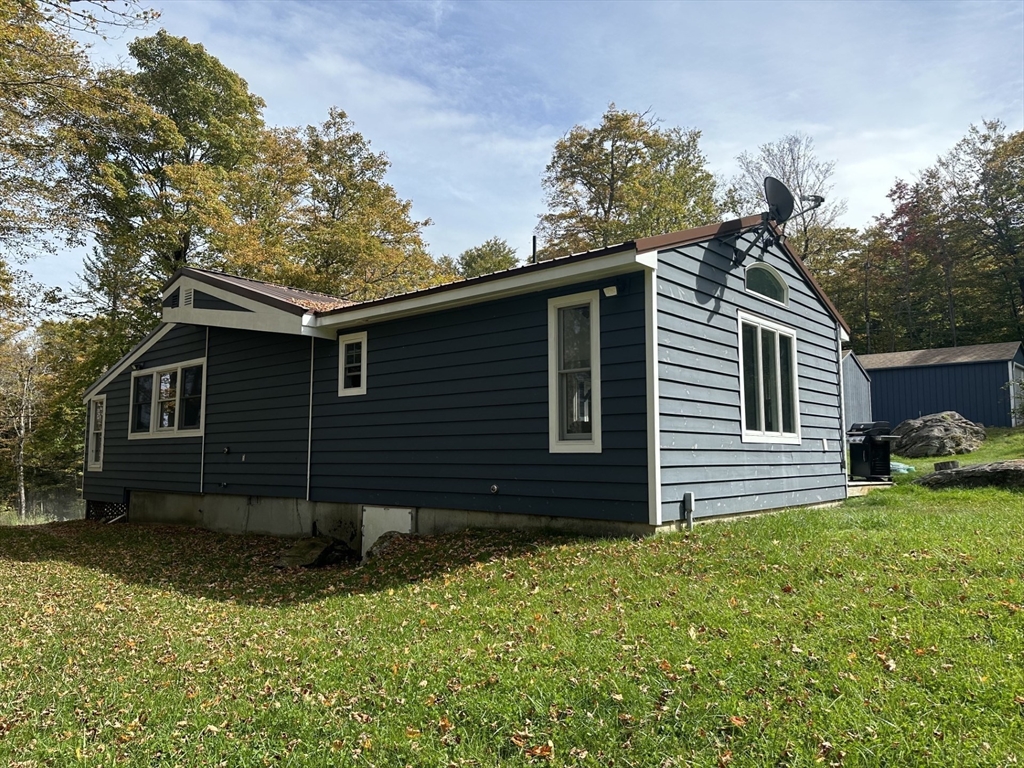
(541, 752)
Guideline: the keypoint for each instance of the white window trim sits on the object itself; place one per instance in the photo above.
(751, 436)
(90, 465)
(154, 432)
(778, 276)
(344, 391)
(555, 444)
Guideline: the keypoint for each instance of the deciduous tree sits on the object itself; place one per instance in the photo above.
(624, 179)
(357, 238)
(492, 255)
(154, 161)
(792, 160)
(46, 81)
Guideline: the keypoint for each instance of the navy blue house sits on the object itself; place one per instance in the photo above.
(623, 389)
(972, 380)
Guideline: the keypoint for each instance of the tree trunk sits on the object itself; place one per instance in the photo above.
(19, 458)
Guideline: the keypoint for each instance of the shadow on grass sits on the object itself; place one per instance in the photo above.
(240, 568)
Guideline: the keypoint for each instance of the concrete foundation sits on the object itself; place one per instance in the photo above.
(345, 522)
(250, 514)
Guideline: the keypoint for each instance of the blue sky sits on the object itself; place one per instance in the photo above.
(468, 98)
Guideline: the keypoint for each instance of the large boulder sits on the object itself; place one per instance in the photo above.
(1001, 474)
(938, 434)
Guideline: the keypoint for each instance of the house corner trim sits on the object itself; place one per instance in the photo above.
(653, 397)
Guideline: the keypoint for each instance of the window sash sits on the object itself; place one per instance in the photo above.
(168, 401)
(97, 423)
(352, 366)
(574, 374)
(769, 380)
(166, 385)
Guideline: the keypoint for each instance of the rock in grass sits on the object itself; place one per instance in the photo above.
(314, 552)
(998, 474)
(938, 434)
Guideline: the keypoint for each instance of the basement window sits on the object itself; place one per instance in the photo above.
(574, 373)
(769, 393)
(168, 401)
(352, 364)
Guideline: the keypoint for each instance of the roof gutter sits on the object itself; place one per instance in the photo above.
(596, 268)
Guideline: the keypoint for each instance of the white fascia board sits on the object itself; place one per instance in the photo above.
(260, 317)
(648, 259)
(119, 368)
(553, 277)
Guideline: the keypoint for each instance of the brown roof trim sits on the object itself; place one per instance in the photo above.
(811, 280)
(732, 228)
(697, 235)
(523, 270)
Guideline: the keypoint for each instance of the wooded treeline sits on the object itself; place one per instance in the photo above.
(167, 162)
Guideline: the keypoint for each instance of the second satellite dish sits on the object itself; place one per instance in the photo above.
(780, 200)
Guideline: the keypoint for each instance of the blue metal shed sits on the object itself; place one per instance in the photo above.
(970, 380)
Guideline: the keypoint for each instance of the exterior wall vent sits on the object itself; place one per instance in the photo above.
(186, 299)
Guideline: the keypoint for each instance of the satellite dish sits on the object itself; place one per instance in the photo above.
(780, 200)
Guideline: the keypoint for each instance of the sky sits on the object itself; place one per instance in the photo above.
(468, 98)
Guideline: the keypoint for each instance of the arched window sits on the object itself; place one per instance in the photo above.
(766, 281)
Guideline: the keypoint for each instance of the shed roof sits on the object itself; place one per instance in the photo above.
(915, 358)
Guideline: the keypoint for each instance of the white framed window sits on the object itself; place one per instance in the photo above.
(766, 282)
(352, 364)
(574, 373)
(168, 401)
(769, 392)
(97, 425)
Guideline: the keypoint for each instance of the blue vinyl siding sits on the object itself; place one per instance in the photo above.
(856, 392)
(159, 464)
(974, 390)
(457, 401)
(700, 291)
(257, 414)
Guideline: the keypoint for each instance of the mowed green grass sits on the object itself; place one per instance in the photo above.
(888, 631)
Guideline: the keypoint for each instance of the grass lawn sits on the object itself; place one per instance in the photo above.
(888, 631)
